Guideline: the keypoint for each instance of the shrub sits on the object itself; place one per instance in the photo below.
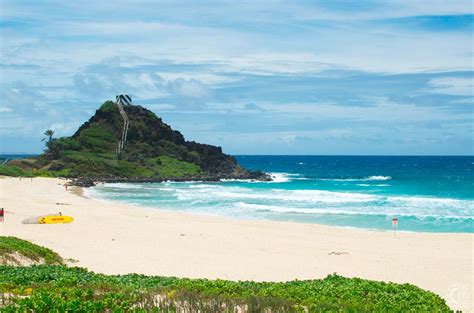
(108, 107)
(55, 147)
(58, 288)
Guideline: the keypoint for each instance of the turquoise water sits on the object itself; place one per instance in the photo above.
(428, 194)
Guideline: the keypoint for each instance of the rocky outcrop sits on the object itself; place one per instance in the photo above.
(153, 151)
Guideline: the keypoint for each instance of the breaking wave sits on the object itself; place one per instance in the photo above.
(334, 197)
(369, 178)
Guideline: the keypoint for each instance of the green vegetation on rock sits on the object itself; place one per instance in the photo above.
(15, 171)
(152, 150)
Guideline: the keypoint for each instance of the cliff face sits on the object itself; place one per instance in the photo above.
(152, 151)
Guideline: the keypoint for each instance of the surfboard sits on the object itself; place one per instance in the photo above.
(49, 219)
(55, 219)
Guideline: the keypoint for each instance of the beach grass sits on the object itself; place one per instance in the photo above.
(12, 247)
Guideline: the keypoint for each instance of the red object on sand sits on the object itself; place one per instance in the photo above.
(2, 213)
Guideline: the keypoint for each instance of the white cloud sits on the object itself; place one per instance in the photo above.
(247, 11)
(189, 88)
(62, 128)
(294, 47)
(227, 61)
(381, 110)
(457, 86)
(253, 107)
(199, 74)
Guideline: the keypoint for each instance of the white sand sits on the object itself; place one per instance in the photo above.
(117, 239)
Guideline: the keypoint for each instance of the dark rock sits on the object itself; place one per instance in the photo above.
(83, 182)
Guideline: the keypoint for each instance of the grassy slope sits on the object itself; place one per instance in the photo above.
(91, 163)
(11, 245)
(57, 288)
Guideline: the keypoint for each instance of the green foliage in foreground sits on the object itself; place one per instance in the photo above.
(12, 245)
(59, 289)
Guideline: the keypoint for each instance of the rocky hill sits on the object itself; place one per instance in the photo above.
(153, 151)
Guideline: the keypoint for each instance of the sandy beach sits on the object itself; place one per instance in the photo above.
(117, 239)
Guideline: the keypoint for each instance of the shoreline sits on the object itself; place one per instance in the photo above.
(85, 193)
(117, 238)
(90, 182)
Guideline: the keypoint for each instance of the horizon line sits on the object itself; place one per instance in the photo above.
(302, 155)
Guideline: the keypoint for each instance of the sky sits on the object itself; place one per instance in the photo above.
(255, 77)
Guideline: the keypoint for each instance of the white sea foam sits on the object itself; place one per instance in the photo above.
(340, 211)
(426, 200)
(285, 177)
(280, 177)
(282, 195)
(225, 180)
(170, 182)
(165, 189)
(369, 178)
(245, 201)
(377, 178)
(123, 185)
(201, 186)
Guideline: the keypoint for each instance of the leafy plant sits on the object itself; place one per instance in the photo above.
(58, 288)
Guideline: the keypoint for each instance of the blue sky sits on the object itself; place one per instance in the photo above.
(255, 77)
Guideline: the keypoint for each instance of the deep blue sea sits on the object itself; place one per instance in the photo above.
(426, 194)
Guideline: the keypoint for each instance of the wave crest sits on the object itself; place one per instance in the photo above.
(377, 178)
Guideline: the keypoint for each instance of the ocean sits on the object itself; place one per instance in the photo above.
(425, 193)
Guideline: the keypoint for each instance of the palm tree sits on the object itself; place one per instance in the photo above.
(49, 133)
